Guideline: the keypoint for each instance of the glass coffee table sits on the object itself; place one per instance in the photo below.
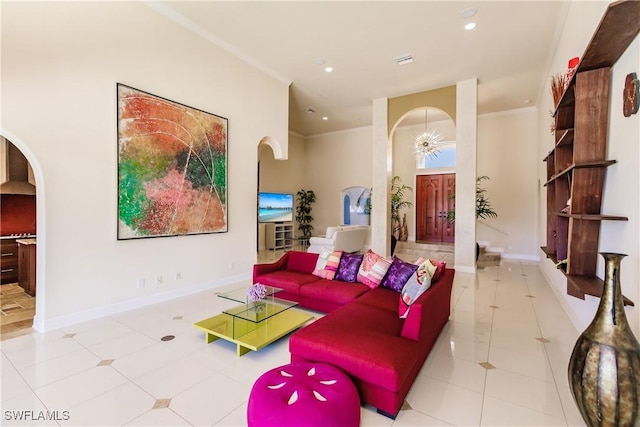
(252, 326)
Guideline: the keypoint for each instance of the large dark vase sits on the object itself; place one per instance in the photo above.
(604, 369)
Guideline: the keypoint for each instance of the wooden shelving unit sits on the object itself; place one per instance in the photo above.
(577, 164)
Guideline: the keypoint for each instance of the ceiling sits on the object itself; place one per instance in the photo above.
(508, 52)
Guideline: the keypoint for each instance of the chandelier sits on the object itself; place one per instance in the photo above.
(427, 142)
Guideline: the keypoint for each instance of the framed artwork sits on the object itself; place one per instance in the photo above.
(172, 168)
(356, 206)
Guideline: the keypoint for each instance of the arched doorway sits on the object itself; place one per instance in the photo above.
(431, 174)
(18, 241)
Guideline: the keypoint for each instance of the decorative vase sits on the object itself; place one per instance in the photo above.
(604, 369)
(404, 230)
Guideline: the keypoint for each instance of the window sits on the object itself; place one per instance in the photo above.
(445, 158)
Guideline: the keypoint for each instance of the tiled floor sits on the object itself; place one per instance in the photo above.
(500, 361)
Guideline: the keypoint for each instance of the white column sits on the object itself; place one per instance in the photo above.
(466, 138)
(381, 180)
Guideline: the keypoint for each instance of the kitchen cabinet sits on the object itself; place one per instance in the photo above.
(27, 265)
(8, 261)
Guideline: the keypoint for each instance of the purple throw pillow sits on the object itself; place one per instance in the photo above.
(398, 274)
(349, 266)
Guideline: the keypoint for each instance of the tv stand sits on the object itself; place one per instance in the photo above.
(279, 235)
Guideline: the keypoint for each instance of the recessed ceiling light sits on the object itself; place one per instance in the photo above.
(325, 118)
(468, 12)
(328, 69)
(470, 26)
(319, 61)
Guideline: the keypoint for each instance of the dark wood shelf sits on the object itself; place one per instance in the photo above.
(566, 138)
(576, 166)
(618, 27)
(592, 217)
(579, 286)
(583, 165)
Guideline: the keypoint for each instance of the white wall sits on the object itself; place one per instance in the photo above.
(621, 185)
(335, 161)
(506, 152)
(60, 65)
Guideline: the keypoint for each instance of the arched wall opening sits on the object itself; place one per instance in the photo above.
(40, 295)
(432, 194)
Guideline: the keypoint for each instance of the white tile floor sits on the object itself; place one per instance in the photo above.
(500, 361)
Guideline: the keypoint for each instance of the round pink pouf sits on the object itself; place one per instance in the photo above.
(304, 394)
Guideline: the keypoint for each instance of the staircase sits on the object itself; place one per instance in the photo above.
(487, 258)
(410, 251)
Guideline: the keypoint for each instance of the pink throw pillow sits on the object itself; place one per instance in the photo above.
(372, 269)
(327, 264)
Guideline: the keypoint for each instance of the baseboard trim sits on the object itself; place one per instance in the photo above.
(465, 268)
(45, 325)
(521, 257)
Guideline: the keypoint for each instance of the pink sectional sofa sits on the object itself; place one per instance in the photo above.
(362, 333)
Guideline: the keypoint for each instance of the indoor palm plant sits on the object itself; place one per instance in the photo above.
(483, 205)
(398, 190)
(305, 199)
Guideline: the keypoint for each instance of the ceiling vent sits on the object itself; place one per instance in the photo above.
(310, 111)
(404, 59)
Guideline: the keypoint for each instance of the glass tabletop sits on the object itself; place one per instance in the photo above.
(240, 294)
(259, 311)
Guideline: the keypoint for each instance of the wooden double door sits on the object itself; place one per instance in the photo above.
(432, 204)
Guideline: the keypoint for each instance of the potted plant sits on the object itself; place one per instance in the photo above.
(483, 206)
(304, 199)
(398, 190)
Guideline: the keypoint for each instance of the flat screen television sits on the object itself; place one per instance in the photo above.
(275, 207)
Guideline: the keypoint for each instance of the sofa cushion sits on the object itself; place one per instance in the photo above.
(383, 298)
(303, 262)
(333, 290)
(289, 281)
(363, 341)
(440, 266)
(348, 267)
(327, 264)
(417, 284)
(373, 269)
(398, 274)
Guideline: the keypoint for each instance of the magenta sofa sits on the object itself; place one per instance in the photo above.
(362, 334)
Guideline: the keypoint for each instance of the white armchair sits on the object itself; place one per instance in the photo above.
(347, 238)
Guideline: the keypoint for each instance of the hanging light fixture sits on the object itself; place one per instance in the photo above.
(427, 142)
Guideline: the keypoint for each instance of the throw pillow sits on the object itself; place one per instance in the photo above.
(438, 268)
(373, 269)
(348, 267)
(327, 264)
(417, 284)
(398, 274)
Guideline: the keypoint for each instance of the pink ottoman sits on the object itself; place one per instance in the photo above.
(304, 394)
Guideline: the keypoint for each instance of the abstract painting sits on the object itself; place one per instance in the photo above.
(172, 167)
